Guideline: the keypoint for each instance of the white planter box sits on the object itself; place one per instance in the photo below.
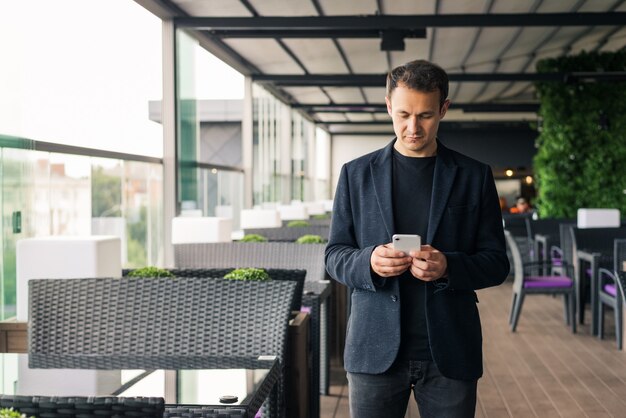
(260, 218)
(293, 213)
(598, 218)
(190, 230)
(64, 258)
(315, 208)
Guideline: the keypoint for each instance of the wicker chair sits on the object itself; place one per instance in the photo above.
(73, 320)
(276, 274)
(68, 407)
(278, 255)
(290, 234)
(182, 412)
(273, 255)
(529, 280)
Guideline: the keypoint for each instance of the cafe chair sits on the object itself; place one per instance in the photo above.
(294, 275)
(77, 321)
(79, 406)
(184, 412)
(609, 294)
(529, 280)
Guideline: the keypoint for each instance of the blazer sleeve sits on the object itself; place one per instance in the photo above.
(489, 265)
(346, 262)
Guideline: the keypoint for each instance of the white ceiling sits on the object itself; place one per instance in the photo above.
(456, 49)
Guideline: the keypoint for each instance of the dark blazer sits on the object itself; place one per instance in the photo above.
(465, 223)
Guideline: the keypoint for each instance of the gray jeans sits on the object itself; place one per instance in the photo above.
(387, 394)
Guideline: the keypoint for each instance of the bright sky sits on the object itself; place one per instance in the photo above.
(82, 72)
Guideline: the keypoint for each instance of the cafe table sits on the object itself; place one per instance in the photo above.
(594, 259)
(240, 385)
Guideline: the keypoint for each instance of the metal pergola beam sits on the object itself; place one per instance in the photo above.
(419, 33)
(382, 108)
(378, 80)
(445, 126)
(271, 24)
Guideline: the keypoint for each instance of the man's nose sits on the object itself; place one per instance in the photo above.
(413, 124)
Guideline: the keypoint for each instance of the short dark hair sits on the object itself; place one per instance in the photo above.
(420, 75)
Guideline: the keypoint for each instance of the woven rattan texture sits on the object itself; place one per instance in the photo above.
(276, 274)
(118, 361)
(181, 412)
(269, 255)
(290, 233)
(159, 317)
(58, 406)
(320, 222)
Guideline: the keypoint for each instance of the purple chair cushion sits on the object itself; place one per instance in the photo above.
(610, 289)
(557, 262)
(547, 281)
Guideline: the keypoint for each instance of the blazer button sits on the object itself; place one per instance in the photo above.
(394, 298)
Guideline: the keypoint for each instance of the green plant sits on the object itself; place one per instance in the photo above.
(248, 274)
(297, 224)
(321, 216)
(150, 272)
(581, 157)
(310, 239)
(253, 238)
(11, 413)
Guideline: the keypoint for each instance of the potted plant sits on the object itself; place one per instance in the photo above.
(248, 274)
(253, 238)
(310, 239)
(11, 413)
(297, 224)
(146, 272)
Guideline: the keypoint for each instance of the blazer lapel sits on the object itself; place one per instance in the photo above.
(381, 169)
(443, 180)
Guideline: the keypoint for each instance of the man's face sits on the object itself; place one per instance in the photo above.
(416, 117)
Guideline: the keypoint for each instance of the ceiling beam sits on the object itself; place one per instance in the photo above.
(373, 108)
(378, 80)
(444, 126)
(417, 33)
(270, 24)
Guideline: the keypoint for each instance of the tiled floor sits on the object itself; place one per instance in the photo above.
(543, 370)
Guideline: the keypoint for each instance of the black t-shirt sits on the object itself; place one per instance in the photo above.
(412, 188)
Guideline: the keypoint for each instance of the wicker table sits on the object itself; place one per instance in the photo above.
(191, 386)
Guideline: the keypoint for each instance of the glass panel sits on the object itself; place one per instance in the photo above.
(187, 131)
(210, 109)
(17, 193)
(222, 192)
(269, 181)
(70, 195)
(143, 206)
(322, 165)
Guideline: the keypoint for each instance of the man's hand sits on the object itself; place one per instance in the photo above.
(387, 262)
(428, 264)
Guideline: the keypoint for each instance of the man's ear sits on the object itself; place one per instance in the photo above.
(444, 108)
(388, 102)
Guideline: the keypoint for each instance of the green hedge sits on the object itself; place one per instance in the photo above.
(581, 157)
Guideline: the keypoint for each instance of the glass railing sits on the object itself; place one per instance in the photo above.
(50, 189)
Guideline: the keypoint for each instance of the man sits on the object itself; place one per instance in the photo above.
(414, 323)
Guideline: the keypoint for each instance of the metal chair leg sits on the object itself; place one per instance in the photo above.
(517, 310)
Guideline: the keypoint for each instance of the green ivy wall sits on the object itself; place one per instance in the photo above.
(581, 156)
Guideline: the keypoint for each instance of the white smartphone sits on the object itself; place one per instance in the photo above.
(406, 242)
